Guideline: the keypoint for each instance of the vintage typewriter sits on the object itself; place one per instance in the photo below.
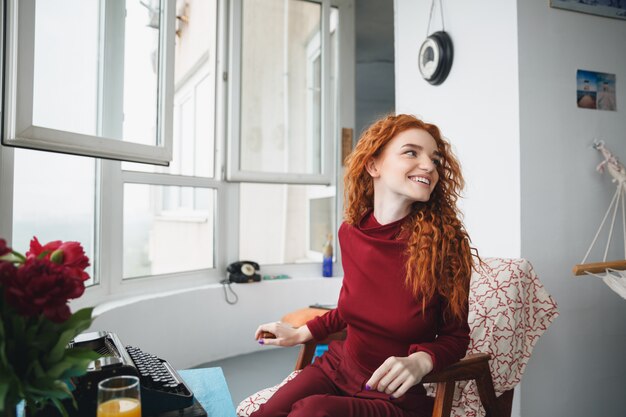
(163, 391)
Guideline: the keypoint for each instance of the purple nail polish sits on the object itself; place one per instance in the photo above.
(391, 398)
(367, 387)
(261, 342)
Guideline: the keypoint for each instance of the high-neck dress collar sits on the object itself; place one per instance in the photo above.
(370, 226)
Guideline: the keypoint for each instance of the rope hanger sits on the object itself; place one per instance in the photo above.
(430, 18)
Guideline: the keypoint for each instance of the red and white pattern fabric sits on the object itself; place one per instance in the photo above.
(509, 310)
(253, 402)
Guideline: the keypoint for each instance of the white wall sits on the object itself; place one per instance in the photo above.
(578, 367)
(197, 325)
(475, 108)
(509, 108)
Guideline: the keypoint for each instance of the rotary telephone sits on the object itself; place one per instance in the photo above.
(243, 271)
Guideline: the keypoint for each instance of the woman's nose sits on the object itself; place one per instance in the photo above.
(427, 165)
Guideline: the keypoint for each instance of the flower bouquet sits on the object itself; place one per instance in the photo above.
(36, 324)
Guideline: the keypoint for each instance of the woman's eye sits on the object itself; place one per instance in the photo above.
(411, 153)
(437, 162)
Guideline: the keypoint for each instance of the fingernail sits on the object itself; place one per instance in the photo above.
(261, 342)
(391, 397)
(367, 387)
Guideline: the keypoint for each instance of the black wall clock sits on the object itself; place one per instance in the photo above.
(435, 57)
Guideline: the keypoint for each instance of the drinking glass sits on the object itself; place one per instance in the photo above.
(119, 396)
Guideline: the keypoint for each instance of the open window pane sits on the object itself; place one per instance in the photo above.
(54, 199)
(71, 86)
(194, 98)
(65, 93)
(167, 229)
(140, 66)
(281, 87)
(285, 223)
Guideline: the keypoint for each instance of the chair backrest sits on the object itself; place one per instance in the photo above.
(509, 310)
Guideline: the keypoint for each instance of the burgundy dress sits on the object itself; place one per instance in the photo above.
(382, 319)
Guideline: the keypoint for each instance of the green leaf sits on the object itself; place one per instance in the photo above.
(49, 389)
(77, 322)
(76, 361)
(59, 405)
(57, 351)
(37, 369)
(4, 390)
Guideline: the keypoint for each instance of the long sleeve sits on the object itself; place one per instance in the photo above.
(449, 346)
(329, 323)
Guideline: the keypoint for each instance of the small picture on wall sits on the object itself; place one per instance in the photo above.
(607, 8)
(595, 90)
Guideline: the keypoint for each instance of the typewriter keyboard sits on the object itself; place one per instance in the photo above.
(155, 373)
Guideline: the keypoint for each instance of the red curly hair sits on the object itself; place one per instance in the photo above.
(440, 258)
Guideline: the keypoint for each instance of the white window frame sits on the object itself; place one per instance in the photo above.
(19, 130)
(234, 171)
(344, 117)
(111, 177)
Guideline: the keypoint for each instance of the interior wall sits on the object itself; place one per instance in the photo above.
(195, 326)
(476, 108)
(375, 94)
(578, 367)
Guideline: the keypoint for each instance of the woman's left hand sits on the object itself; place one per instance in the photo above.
(396, 375)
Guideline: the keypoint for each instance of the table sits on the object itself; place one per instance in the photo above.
(208, 386)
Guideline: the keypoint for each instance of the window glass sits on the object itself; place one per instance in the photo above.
(194, 98)
(65, 93)
(96, 66)
(54, 199)
(167, 229)
(280, 87)
(141, 65)
(285, 223)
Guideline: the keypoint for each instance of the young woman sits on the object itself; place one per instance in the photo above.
(407, 263)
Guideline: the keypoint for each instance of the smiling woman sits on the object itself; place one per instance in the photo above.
(404, 297)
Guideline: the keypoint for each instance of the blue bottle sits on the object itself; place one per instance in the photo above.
(327, 257)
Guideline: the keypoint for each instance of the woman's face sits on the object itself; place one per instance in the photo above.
(406, 169)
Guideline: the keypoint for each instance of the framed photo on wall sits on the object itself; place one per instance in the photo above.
(595, 90)
(607, 8)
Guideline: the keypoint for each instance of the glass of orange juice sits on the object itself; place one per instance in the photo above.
(119, 396)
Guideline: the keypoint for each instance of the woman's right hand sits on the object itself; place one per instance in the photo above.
(285, 334)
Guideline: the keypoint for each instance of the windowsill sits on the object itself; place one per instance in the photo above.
(122, 301)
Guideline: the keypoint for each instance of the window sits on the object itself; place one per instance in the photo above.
(169, 212)
(273, 197)
(90, 77)
(285, 122)
(282, 127)
(54, 199)
(283, 224)
(167, 229)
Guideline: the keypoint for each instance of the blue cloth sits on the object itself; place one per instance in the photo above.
(210, 389)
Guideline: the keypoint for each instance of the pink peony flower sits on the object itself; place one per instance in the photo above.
(41, 286)
(69, 254)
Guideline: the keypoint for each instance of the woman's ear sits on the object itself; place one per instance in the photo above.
(372, 168)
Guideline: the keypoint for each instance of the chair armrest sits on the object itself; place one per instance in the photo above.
(473, 366)
(308, 349)
(470, 367)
